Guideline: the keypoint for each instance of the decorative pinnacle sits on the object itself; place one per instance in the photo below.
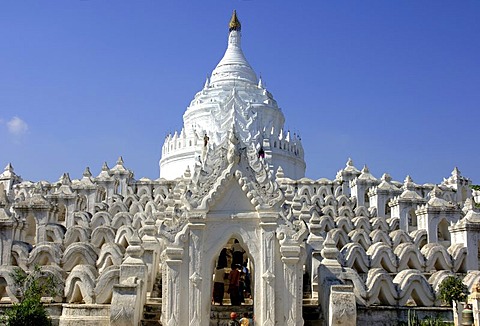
(9, 167)
(120, 161)
(234, 24)
(87, 172)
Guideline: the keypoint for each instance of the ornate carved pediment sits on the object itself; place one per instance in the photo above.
(230, 169)
(233, 160)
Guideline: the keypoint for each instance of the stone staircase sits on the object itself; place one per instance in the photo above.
(312, 314)
(152, 311)
(220, 315)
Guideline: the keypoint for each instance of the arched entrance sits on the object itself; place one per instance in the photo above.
(238, 245)
(233, 263)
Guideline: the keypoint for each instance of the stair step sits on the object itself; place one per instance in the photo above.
(220, 315)
(152, 311)
(151, 323)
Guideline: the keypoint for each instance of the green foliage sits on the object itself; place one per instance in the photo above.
(452, 289)
(31, 288)
(412, 318)
(475, 187)
(431, 321)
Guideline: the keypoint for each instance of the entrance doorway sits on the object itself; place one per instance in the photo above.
(233, 281)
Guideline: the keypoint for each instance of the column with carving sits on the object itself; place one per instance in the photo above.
(291, 237)
(293, 285)
(152, 251)
(268, 270)
(171, 293)
(195, 285)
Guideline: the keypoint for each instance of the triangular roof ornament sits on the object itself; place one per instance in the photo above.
(365, 169)
(260, 82)
(456, 172)
(9, 167)
(408, 179)
(408, 183)
(279, 174)
(120, 161)
(435, 193)
(386, 177)
(187, 174)
(87, 173)
(65, 179)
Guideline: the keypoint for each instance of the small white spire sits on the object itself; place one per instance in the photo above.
(87, 173)
(456, 172)
(9, 167)
(120, 161)
(65, 179)
(365, 169)
(105, 167)
(386, 177)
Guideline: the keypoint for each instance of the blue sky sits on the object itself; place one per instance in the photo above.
(392, 84)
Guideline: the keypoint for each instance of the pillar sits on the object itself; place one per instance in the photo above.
(171, 290)
(195, 268)
(267, 272)
(293, 295)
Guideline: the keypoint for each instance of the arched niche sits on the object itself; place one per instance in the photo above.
(61, 213)
(30, 229)
(412, 220)
(443, 233)
(225, 260)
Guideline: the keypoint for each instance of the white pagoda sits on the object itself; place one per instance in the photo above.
(233, 98)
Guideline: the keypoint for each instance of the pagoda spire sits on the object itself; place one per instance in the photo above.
(234, 24)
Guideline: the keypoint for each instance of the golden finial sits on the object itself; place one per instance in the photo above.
(234, 24)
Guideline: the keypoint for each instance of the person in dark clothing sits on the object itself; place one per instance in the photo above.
(234, 287)
(218, 285)
(248, 280)
(237, 253)
(222, 258)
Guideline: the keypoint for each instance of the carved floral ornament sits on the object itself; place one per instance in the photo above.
(196, 279)
(292, 233)
(269, 277)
